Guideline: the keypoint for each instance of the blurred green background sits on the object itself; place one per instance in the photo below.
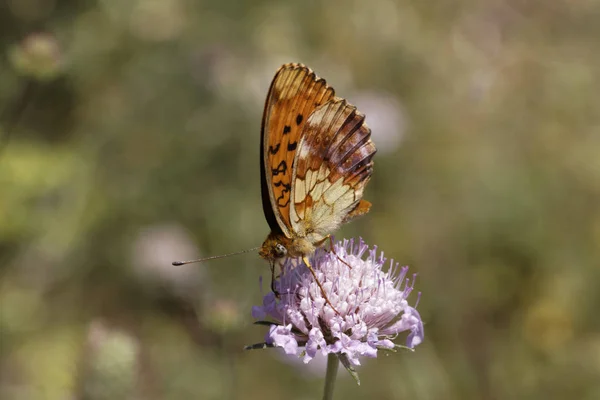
(130, 138)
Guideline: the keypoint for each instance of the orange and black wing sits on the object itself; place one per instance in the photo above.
(332, 167)
(295, 93)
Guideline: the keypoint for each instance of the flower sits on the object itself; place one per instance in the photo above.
(38, 56)
(370, 306)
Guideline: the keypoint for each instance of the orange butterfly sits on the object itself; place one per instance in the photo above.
(316, 159)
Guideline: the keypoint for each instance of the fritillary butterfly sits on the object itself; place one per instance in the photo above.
(316, 159)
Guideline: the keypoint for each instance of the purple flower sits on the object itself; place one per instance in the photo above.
(372, 307)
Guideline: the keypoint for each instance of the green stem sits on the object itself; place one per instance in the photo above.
(332, 368)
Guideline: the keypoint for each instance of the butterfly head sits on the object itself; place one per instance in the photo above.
(274, 247)
(277, 246)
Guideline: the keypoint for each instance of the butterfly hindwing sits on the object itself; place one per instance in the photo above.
(332, 166)
(295, 93)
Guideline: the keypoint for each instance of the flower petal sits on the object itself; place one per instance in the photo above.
(281, 336)
(316, 341)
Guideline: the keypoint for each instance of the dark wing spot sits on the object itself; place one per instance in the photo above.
(281, 168)
(285, 185)
(286, 129)
(299, 119)
(274, 150)
(291, 146)
(283, 200)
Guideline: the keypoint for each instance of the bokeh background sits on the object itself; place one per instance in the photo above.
(130, 138)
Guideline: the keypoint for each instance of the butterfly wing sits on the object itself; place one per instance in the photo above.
(294, 95)
(332, 167)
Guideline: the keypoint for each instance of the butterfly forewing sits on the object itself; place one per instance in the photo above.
(294, 95)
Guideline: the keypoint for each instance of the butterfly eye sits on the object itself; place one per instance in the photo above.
(280, 250)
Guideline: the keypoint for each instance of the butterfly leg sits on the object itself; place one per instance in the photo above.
(332, 249)
(312, 271)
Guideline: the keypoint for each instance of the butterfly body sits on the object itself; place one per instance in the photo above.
(278, 246)
(316, 159)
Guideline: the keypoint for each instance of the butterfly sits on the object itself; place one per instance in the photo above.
(315, 161)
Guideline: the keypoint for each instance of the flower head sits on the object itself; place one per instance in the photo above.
(371, 305)
(38, 56)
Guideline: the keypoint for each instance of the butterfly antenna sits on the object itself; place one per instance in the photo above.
(177, 263)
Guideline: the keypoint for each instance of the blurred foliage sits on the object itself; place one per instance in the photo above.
(129, 137)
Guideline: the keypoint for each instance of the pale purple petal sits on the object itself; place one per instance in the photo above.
(258, 313)
(410, 320)
(365, 349)
(316, 341)
(417, 333)
(269, 308)
(281, 336)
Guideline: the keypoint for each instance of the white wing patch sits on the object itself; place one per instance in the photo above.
(330, 203)
(334, 192)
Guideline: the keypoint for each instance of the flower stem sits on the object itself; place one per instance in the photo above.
(332, 368)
